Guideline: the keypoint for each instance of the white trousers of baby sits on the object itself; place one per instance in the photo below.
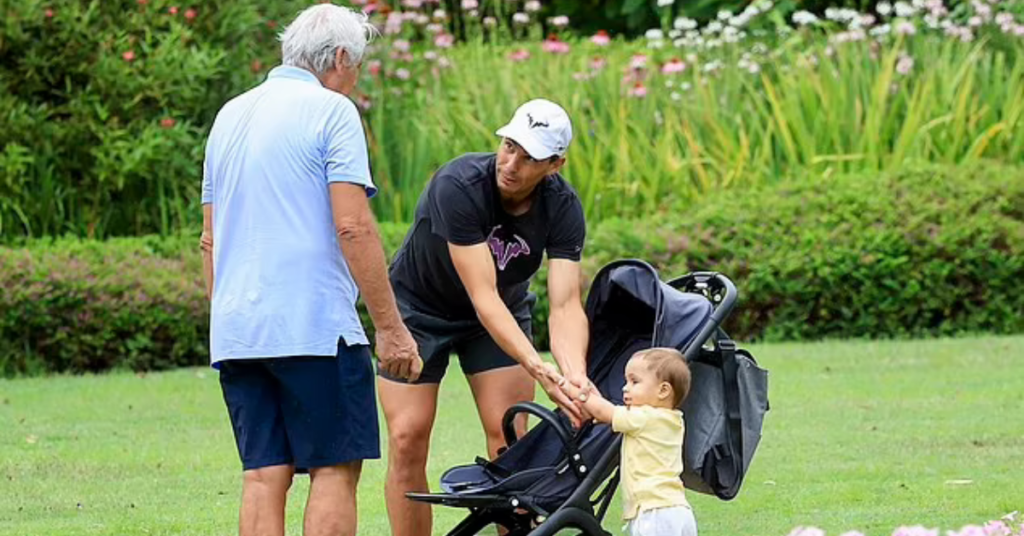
(672, 521)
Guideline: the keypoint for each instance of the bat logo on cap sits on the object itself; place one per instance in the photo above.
(535, 124)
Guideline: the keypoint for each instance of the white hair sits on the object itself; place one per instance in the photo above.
(313, 38)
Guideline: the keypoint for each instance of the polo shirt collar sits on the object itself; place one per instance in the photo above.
(293, 73)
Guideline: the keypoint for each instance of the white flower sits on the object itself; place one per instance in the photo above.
(975, 21)
(905, 27)
(521, 18)
(724, 15)
(560, 21)
(532, 6)
(654, 34)
(880, 30)
(683, 23)
(1004, 19)
(675, 34)
(490, 21)
(883, 9)
(804, 18)
(439, 14)
(904, 10)
(434, 28)
(675, 96)
(665, 3)
(713, 27)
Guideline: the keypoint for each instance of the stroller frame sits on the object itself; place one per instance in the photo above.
(579, 511)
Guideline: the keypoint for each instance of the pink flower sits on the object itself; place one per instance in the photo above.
(905, 65)
(142, 2)
(554, 46)
(969, 530)
(190, 14)
(638, 61)
(807, 531)
(48, 13)
(370, 8)
(412, 4)
(600, 38)
(167, 122)
(519, 55)
(400, 45)
(997, 528)
(365, 103)
(916, 530)
(675, 65)
(470, 4)
(597, 63)
(374, 67)
(128, 56)
(173, 10)
(638, 90)
(402, 74)
(444, 41)
(852, 533)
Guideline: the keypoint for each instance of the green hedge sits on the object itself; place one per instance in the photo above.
(931, 251)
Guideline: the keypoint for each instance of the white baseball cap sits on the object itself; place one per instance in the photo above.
(541, 127)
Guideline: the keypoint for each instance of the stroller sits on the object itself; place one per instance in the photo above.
(555, 478)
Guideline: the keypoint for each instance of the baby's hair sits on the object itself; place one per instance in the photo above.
(668, 365)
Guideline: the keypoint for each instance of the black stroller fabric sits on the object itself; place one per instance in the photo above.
(629, 309)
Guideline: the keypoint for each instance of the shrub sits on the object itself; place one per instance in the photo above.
(929, 251)
(79, 306)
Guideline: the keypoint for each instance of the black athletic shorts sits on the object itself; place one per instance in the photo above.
(437, 337)
(304, 411)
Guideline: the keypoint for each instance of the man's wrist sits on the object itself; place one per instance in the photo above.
(535, 368)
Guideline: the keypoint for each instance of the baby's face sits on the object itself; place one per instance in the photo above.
(642, 386)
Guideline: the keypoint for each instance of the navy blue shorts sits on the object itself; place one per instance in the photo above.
(304, 411)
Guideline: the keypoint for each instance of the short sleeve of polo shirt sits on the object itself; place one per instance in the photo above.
(568, 229)
(630, 420)
(453, 215)
(207, 195)
(346, 156)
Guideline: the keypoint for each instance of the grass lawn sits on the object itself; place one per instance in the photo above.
(861, 435)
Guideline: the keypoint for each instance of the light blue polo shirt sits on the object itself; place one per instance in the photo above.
(281, 285)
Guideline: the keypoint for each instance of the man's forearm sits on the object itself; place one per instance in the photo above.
(208, 272)
(570, 333)
(505, 330)
(364, 253)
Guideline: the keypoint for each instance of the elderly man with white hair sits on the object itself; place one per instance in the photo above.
(288, 243)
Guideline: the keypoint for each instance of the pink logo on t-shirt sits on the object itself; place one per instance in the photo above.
(504, 251)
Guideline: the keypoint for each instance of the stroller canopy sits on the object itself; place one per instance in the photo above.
(630, 309)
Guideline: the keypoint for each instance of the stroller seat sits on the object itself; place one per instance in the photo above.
(552, 477)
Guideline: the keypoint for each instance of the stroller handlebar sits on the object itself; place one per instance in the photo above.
(548, 416)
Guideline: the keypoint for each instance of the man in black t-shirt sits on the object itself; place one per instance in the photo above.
(461, 278)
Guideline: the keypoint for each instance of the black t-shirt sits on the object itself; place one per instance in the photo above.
(462, 205)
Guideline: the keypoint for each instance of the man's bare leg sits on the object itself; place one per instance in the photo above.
(264, 493)
(409, 411)
(331, 507)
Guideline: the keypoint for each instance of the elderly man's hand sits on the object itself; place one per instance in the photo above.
(398, 354)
